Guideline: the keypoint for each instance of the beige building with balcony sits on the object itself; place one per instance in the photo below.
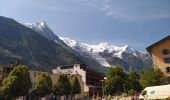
(160, 53)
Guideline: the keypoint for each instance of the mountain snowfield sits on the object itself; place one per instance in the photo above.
(86, 49)
(101, 47)
(106, 54)
(95, 50)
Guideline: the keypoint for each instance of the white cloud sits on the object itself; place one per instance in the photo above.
(103, 5)
(109, 14)
(130, 10)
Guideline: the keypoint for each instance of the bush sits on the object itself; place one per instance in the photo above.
(131, 92)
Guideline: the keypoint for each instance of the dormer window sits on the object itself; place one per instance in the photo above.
(165, 51)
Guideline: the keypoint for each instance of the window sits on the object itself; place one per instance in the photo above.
(167, 60)
(167, 69)
(144, 93)
(165, 51)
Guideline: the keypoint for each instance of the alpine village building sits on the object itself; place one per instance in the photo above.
(160, 53)
(90, 80)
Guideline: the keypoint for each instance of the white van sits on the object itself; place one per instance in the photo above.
(155, 92)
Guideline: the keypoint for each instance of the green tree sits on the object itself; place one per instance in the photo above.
(116, 78)
(62, 85)
(7, 89)
(17, 83)
(134, 81)
(152, 77)
(75, 85)
(43, 85)
(56, 90)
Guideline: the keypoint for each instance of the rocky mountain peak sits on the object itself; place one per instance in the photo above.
(38, 26)
(41, 25)
(106, 54)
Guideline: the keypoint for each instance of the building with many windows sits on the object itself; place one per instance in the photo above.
(91, 80)
(160, 53)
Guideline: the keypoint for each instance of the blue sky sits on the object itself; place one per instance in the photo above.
(138, 23)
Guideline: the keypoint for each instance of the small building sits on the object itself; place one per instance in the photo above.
(89, 79)
(6, 69)
(34, 75)
(160, 53)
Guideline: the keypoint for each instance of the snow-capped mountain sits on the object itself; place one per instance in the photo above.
(110, 55)
(103, 48)
(105, 54)
(44, 30)
(84, 49)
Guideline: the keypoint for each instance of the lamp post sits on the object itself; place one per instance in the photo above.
(102, 81)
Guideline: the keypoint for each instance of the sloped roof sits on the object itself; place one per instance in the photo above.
(153, 45)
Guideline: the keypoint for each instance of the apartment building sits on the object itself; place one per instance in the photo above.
(160, 53)
(91, 80)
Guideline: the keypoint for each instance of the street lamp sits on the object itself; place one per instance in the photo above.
(102, 81)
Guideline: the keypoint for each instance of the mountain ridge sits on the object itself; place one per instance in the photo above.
(18, 42)
(86, 58)
(127, 56)
(108, 55)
